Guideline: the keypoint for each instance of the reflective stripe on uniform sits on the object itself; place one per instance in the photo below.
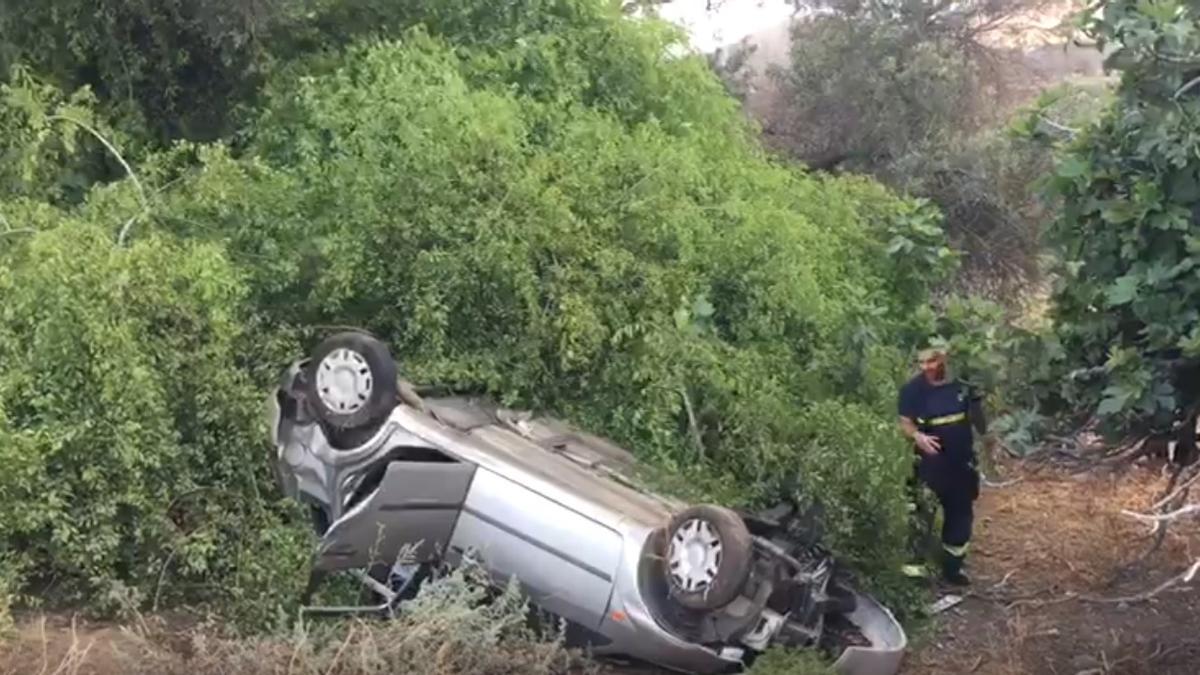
(957, 551)
(947, 419)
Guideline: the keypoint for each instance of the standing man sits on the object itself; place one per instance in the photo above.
(938, 413)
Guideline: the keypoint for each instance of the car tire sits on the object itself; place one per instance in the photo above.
(708, 557)
(350, 381)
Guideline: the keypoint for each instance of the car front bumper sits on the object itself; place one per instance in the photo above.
(887, 638)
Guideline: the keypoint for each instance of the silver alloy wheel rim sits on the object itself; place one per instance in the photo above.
(694, 556)
(344, 381)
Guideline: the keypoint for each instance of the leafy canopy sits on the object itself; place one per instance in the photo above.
(1128, 301)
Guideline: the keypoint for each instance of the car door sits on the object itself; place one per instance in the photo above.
(563, 560)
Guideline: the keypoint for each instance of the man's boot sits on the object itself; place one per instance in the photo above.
(952, 573)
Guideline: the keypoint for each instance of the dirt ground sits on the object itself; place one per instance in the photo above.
(1046, 562)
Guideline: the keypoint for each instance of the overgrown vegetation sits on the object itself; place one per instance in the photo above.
(534, 201)
(916, 94)
(1128, 190)
(540, 201)
(450, 628)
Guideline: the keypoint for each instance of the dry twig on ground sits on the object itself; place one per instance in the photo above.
(1034, 599)
(1180, 489)
(1129, 452)
(1156, 520)
(1186, 577)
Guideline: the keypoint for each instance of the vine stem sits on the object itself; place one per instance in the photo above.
(1186, 88)
(125, 165)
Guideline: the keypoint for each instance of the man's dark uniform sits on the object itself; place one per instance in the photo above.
(947, 411)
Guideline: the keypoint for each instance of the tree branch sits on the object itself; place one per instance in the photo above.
(1058, 127)
(1187, 87)
(1157, 519)
(1185, 577)
(1129, 453)
(693, 427)
(125, 165)
(1038, 599)
(1175, 493)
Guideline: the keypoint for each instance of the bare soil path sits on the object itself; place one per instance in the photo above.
(1047, 563)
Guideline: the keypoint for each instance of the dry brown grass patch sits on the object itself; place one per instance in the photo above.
(448, 630)
(1068, 531)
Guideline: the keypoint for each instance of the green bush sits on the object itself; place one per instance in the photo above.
(571, 221)
(1128, 190)
(128, 432)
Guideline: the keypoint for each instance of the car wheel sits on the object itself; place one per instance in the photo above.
(351, 380)
(708, 557)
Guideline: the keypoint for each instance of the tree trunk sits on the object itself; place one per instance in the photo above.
(1185, 441)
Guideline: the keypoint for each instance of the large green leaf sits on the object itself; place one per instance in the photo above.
(1139, 251)
(1123, 290)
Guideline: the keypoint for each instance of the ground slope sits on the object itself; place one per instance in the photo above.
(1046, 560)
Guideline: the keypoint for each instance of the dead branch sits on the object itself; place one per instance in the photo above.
(1186, 578)
(1129, 453)
(997, 485)
(1003, 581)
(162, 574)
(1162, 506)
(693, 427)
(1033, 599)
(1005, 447)
(1173, 494)
(1160, 653)
(1156, 520)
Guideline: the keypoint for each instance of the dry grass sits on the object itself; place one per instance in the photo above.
(1043, 543)
(1068, 532)
(448, 630)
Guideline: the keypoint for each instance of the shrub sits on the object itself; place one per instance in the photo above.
(572, 221)
(127, 429)
(446, 630)
(558, 256)
(1127, 185)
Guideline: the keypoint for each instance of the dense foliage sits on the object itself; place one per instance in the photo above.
(912, 92)
(1128, 302)
(533, 200)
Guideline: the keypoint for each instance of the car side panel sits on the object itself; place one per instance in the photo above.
(563, 560)
(413, 510)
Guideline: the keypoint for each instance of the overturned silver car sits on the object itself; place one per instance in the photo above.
(385, 467)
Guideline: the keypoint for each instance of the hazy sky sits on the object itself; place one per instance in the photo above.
(730, 22)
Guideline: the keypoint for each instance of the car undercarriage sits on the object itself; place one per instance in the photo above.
(402, 483)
